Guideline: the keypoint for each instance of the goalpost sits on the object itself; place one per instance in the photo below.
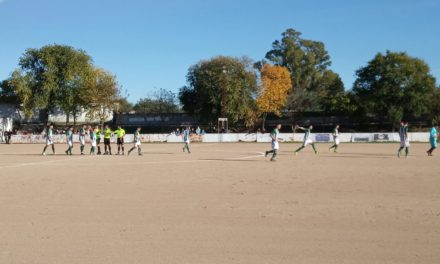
(222, 127)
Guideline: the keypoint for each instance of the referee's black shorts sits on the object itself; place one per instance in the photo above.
(120, 141)
(106, 141)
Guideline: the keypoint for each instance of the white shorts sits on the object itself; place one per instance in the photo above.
(70, 143)
(275, 145)
(308, 141)
(337, 141)
(93, 143)
(49, 141)
(82, 140)
(137, 144)
(404, 144)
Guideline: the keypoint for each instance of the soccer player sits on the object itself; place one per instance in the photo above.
(275, 142)
(335, 135)
(404, 140)
(120, 133)
(107, 135)
(98, 139)
(307, 139)
(137, 142)
(49, 140)
(82, 138)
(186, 138)
(69, 138)
(433, 140)
(92, 133)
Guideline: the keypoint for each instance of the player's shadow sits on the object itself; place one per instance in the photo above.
(359, 156)
(158, 153)
(248, 160)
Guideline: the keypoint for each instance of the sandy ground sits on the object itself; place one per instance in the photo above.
(224, 203)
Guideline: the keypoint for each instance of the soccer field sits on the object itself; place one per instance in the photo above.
(224, 203)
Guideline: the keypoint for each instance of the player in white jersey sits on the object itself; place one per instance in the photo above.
(404, 139)
(82, 138)
(274, 135)
(92, 133)
(335, 135)
(137, 142)
(49, 140)
(186, 134)
(69, 139)
(307, 139)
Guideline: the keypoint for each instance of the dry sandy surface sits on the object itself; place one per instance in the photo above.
(224, 203)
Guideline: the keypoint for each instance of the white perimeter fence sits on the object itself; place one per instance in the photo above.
(239, 137)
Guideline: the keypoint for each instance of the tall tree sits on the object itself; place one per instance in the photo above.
(221, 87)
(307, 62)
(275, 86)
(54, 75)
(100, 95)
(394, 85)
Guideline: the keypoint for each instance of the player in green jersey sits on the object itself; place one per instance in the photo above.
(404, 139)
(274, 135)
(335, 135)
(92, 133)
(186, 134)
(82, 138)
(137, 142)
(307, 139)
(69, 138)
(49, 139)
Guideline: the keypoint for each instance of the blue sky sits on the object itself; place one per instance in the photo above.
(151, 44)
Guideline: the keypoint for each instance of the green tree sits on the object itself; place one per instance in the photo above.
(435, 107)
(7, 93)
(307, 62)
(54, 76)
(221, 87)
(188, 99)
(16, 90)
(162, 101)
(332, 97)
(124, 105)
(394, 85)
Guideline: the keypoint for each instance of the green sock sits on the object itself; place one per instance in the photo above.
(275, 152)
(314, 148)
(299, 149)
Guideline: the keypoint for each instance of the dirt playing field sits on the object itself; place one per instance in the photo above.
(224, 203)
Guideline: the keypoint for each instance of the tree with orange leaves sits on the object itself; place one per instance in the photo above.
(275, 86)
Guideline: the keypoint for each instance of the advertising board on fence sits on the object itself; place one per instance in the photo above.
(382, 137)
(360, 137)
(322, 137)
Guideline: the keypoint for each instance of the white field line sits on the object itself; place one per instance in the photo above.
(260, 154)
(37, 163)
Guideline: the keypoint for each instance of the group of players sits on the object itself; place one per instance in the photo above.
(403, 135)
(95, 134)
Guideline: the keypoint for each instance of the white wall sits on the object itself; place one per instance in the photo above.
(242, 137)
